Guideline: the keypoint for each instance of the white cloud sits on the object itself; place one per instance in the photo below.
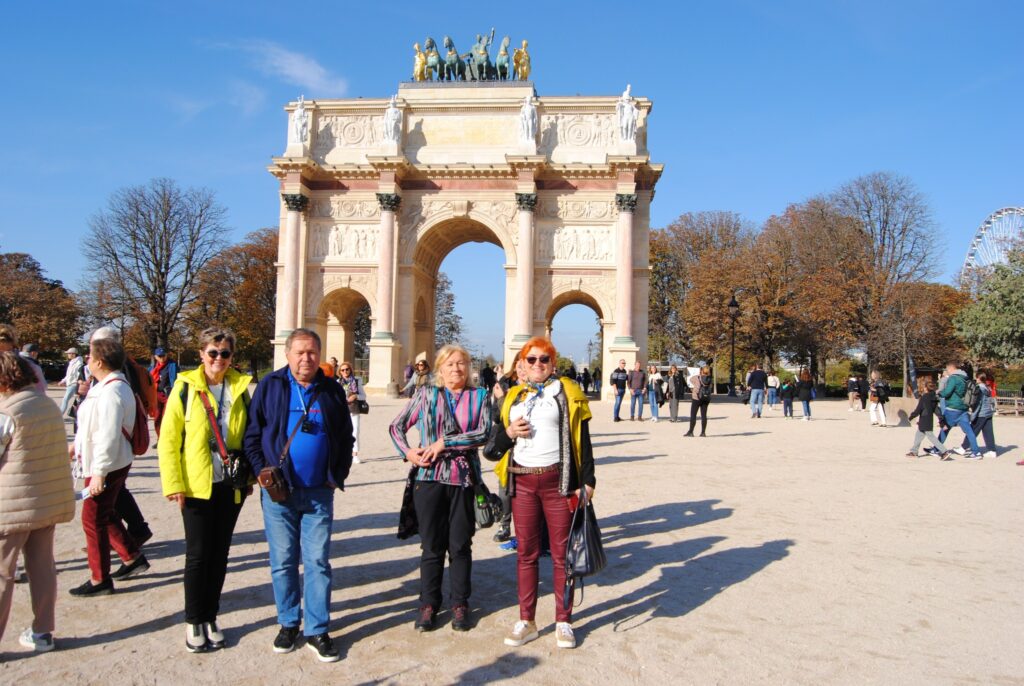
(294, 68)
(186, 107)
(245, 96)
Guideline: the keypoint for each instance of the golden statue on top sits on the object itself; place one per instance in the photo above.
(475, 65)
(419, 64)
(521, 63)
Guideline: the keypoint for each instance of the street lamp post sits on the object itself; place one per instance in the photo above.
(734, 311)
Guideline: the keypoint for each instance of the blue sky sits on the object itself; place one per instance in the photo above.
(756, 105)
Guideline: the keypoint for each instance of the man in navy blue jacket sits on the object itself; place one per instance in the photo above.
(300, 399)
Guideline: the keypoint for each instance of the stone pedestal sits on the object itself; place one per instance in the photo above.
(385, 367)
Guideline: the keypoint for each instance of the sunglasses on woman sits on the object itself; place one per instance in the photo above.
(224, 354)
(345, 369)
(532, 359)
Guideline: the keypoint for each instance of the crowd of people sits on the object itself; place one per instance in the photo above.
(295, 439)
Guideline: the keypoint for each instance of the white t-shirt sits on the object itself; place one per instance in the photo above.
(541, 449)
(220, 399)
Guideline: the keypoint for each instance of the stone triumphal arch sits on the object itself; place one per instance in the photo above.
(376, 192)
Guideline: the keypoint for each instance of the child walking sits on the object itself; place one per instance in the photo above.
(927, 409)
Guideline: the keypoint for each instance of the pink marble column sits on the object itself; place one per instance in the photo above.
(385, 329)
(626, 202)
(296, 204)
(527, 203)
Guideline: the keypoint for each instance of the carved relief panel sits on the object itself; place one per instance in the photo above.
(343, 242)
(573, 244)
(359, 131)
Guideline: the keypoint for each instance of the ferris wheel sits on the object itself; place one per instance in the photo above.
(997, 234)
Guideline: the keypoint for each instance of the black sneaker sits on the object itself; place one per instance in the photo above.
(324, 648)
(89, 589)
(503, 534)
(286, 637)
(460, 618)
(427, 619)
(138, 566)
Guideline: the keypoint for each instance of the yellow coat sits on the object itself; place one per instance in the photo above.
(579, 412)
(186, 464)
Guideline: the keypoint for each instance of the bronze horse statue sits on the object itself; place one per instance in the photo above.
(434, 66)
(454, 69)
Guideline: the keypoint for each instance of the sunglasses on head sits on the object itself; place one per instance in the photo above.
(213, 354)
(532, 359)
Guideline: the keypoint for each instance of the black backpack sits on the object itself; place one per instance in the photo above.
(705, 389)
(972, 394)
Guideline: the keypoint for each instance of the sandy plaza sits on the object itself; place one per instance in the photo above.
(772, 551)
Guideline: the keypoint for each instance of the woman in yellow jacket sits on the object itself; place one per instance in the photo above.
(193, 476)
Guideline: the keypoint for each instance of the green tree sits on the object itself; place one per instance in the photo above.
(447, 322)
(993, 326)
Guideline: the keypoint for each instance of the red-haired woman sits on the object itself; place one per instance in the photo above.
(544, 475)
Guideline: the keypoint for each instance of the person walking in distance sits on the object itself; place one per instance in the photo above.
(654, 391)
(354, 395)
(700, 397)
(637, 382)
(299, 424)
(757, 382)
(619, 379)
(675, 389)
(863, 390)
(878, 396)
(773, 389)
(805, 392)
(71, 378)
(852, 392)
(788, 393)
(163, 372)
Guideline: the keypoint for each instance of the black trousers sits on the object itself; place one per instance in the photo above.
(209, 525)
(447, 525)
(702, 405)
(128, 510)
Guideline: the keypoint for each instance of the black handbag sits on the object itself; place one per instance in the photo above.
(487, 507)
(237, 470)
(584, 554)
(408, 522)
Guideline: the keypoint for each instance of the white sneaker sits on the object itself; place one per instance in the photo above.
(990, 454)
(806, 418)
(356, 460)
(41, 643)
(522, 633)
(959, 451)
(654, 420)
(564, 636)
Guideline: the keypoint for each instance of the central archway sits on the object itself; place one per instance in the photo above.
(418, 278)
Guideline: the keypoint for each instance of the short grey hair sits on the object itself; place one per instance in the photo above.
(302, 333)
(216, 334)
(106, 333)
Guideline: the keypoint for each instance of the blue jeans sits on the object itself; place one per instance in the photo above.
(301, 526)
(772, 396)
(962, 419)
(636, 399)
(652, 398)
(618, 403)
(787, 407)
(807, 407)
(756, 401)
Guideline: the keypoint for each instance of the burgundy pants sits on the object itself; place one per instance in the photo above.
(103, 528)
(537, 500)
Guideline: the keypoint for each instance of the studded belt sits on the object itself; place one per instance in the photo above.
(516, 469)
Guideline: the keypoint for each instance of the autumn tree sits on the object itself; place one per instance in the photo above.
(666, 334)
(41, 309)
(238, 289)
(149, 246)
(894, 223)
